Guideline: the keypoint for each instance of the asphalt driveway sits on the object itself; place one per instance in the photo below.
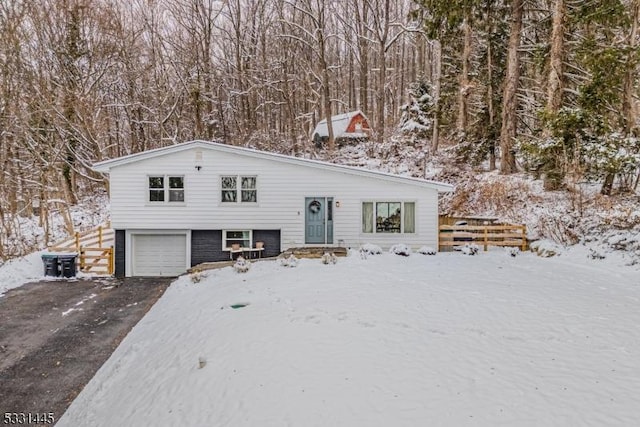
(55, 335)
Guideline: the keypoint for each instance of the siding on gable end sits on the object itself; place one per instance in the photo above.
(282, 188)
(358, 119)
(120, 253)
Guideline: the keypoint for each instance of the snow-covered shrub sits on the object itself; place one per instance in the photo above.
(469, 249)
(241, 265)
(613, 153)
(594, 254)
(512, 252)
(290, 261)
(427, 250)
(197, 275)
(400, 249)
(329, 258)
(370, 249)
(545, 248)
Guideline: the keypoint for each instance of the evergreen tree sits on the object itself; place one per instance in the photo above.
(416, 115)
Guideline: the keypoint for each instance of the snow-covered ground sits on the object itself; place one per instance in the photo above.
(18, 271)
(451, 340)
(26, 234)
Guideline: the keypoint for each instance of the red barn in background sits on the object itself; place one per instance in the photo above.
(352, 126)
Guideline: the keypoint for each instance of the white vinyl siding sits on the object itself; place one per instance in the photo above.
(282, 189)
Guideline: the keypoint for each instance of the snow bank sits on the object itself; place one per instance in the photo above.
(385, 341)
(18, 271)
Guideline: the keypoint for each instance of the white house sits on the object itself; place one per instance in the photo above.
(179, 206)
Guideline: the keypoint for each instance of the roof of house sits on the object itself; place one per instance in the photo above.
(340, 123)
(106, 165)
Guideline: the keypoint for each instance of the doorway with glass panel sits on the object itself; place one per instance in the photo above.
(318, 223)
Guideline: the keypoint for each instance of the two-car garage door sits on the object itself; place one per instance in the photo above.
(158, 254)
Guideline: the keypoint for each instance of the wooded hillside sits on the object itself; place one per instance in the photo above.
(550, 86)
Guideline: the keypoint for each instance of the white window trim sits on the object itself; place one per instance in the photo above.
(238, 189)
(224, 236)
(166, 190)
(402, 211)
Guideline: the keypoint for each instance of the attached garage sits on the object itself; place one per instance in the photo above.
(181, 205)
(158, 254)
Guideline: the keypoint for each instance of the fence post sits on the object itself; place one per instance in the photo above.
(100, 236)
(77, 242)
(486, 238)
(111, 261)
(81, 258)
(524, 238)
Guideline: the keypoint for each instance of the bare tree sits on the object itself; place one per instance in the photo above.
(509, 98)
(629, 94)
(312, 33)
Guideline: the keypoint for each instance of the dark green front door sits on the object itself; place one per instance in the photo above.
(318, 220)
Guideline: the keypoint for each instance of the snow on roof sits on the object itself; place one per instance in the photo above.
(106, 165)
(340, 123)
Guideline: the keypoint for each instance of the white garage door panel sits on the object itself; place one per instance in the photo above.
(159, 254)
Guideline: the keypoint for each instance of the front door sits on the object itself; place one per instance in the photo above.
(318, 220)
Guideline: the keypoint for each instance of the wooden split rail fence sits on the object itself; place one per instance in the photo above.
(486, 235)
(94, 248)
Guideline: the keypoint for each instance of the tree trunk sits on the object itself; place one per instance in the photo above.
(628, 103)
(326, 92)
(509, 100)
(492, 119)
(382, 37)
(556, 56)
(490, 91)
(554, 173)
(363, 54)
(464, 85)
(380, 101)
(437, 72)
(607, 185)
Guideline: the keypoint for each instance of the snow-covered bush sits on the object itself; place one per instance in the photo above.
(400, 249)
(427, 250)
(290, 261)
(370, 249)
(241, 265)
(595, 254)
(197, 275)
(613, 153)
(329, 258)
(545, 248)
(469, 249)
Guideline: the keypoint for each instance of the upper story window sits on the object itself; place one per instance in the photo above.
(239, 189)
(164, 188)
(389, 217)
